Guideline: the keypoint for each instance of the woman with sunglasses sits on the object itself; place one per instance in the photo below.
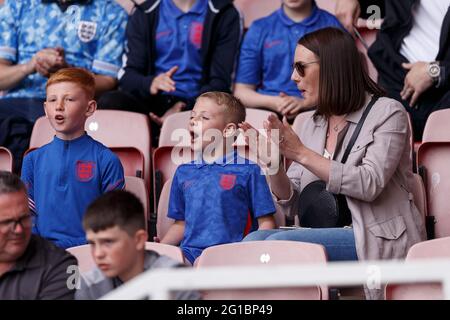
(376, 179)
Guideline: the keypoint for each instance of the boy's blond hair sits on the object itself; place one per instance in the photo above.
(234, 109)
(79, 76)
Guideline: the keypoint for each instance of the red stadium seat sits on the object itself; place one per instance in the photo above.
(432, 158)
(252, 10)
(137, 186)
(436, 127)
(262, 254)
(6, 159)
(165, 165)
(432, 249)
(163, 222)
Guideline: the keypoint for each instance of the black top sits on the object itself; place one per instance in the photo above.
(43, 272)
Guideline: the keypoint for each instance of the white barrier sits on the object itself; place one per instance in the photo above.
(158, 283)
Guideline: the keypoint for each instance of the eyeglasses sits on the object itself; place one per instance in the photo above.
(300, 67)
(11, 225)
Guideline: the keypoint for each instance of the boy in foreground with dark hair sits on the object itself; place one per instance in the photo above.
(115, 229)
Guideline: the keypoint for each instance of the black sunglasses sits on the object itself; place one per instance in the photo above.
(300, 67)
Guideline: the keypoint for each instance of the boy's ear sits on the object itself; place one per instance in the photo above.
(92, 106)
(45, 109)
(141, 237)
(230, 130)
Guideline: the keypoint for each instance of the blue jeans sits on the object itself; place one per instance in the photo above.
(339, 243)
(28, 108)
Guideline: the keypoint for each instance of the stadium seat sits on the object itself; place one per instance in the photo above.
(432, 249)
(137, 186)
(165, 162)
(436, 127)
(252, 10)
(132, 160)
(6, 159)
(432, 160)
(113, 128)
(179, 120)
(86, 262)
(264, 254)
(419, 193)
(163, 222)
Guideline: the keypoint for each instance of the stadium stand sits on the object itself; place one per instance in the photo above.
(264, 254)
(6, 159)
(137, 186)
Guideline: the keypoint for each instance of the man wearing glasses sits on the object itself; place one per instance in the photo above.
(30, 267)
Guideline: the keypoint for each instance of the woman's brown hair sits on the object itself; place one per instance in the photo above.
(344, 80)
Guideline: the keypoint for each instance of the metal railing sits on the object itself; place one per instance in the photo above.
(159, 283)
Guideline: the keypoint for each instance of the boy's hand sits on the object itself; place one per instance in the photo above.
(177, 107)
(164, 82)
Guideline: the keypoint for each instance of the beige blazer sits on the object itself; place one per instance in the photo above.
(376, 180)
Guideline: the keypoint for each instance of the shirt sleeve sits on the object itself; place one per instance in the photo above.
(250, 59)
(9, 30)
(59, 282)
(112, 172)
(261, 202)
(176, 201)
(111, 43)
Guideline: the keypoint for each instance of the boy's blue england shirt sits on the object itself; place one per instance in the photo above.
(92, 36)
(179, 43)
(268, 49)
(63, 178)
(219, 202)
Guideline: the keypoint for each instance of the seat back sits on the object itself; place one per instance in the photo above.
(179, 120)
(132, 160)
(433, 163)
(137, 186)
(6, 159)
(86, 262)
(432, 249)
(165, 162)
(264, 254)
(163, 222)
(436, 127)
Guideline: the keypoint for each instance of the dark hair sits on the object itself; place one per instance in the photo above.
(115, 208)
(234, 109)
(344, 80)
(10, 183)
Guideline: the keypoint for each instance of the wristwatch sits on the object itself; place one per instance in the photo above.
(434, 71)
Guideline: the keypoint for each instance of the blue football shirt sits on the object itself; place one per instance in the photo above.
(219, 202)
(268, 49)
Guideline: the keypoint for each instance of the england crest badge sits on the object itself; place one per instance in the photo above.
(86, 30)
